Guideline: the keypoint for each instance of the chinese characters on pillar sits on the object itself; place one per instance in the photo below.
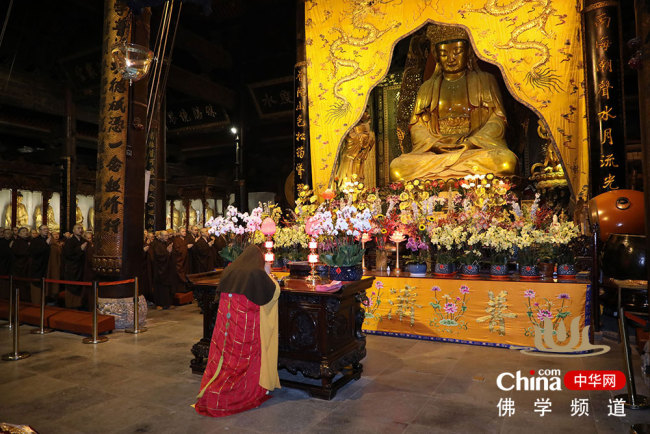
(605, 88)
(111, 155)
(301, 128)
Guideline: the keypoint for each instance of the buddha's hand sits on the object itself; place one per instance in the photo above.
(449, 144)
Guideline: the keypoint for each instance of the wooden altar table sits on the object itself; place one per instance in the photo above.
(320, 333)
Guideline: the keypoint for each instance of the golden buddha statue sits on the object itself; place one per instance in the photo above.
(209, 212)
(458, 123)
(91, 218)
(175, 218)
(193, 216)
(22, 216)
(51, 220)
(80, 216)
(357, 145)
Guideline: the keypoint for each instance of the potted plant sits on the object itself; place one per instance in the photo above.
(340, 231)
(527, 251)
(527, 260)
(546, 255)
(500, 242)
(344, 261)
(446, 237)
(469, 262)
(568, 243)
(416, 261)
(238, 230)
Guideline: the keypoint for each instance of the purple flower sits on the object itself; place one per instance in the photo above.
(464, 289)
(542, 314)
(435, 288)
(457, 298)
(563, 296)
(379, 284)
(536, 304)
(529, 293)
(412, 244)
(450, 308)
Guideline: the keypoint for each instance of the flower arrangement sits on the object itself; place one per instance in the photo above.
(291, 242)
(238, 229)
(339, 233)
(419, 251)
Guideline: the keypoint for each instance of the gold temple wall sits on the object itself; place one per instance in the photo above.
(537, 46)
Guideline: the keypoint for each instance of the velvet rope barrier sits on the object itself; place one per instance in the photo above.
(95, 339)
(42, 330)
(117, 282)
(136, 311)
(16, 354)
(69, 282)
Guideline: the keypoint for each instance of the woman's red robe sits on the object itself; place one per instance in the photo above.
(235, 353)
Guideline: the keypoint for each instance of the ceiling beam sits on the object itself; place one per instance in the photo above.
(40, 96)
(208, 53)
(197, 86)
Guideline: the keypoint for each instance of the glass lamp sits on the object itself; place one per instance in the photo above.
(132, 60)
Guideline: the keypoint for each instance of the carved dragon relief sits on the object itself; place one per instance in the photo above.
(540, 76)
(361, 10)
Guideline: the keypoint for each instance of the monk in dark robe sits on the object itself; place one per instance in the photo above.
(20, 262)
(160, 253)
(5, 261)
(201, 253)
(73, 267)
(179, 261)
(144, 283)
(191, 237)
(54, 267)
(89, 274)
(39, 253)
(243, 360)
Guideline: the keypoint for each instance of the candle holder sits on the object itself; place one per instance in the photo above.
(364, 238)
(312, 279)
(268, 228)
(397, 238)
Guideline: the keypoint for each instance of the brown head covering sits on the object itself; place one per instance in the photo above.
(246, 276)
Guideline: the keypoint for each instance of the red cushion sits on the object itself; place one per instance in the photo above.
(183, 298)
(80, 322)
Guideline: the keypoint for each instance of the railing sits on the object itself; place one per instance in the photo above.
(14, 308)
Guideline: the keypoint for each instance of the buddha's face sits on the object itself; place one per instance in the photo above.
(452, 56)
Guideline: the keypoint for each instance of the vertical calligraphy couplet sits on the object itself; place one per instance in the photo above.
(301, 154)
(604, 92)
(111, 150)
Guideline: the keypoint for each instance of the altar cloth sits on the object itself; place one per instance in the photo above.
(485, 312)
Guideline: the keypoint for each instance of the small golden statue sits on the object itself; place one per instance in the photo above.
(209, 212)
(51, 220)
(194, 217)
(91, 218)
(80, 216)
(22, 216)
(550, 173)
(458, 123)
(357, 146)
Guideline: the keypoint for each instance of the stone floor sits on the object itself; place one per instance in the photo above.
(143, 383)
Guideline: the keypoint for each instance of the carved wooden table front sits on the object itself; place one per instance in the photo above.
(319, 333)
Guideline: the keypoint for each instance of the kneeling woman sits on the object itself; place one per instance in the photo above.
(243, 360)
